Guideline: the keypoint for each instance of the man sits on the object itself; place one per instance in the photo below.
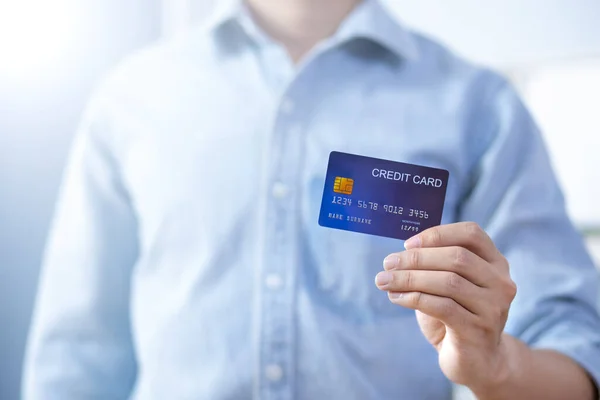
(186, 261)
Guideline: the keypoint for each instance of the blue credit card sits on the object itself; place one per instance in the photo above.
(381, 197)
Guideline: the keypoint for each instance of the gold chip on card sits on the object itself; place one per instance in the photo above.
(343, 185)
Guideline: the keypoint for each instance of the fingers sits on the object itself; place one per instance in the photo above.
(451, 259)
(442, 308)
(464, 234)
(438, 283)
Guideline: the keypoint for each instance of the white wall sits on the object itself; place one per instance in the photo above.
(508, 32)
(178, 13)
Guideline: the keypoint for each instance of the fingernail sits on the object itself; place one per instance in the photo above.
(383, 278)
(390, 262)
(395, 295)
(413, 243)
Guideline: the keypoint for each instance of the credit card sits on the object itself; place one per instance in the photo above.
(381, 197)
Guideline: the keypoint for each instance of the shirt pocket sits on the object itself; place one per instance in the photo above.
(339, 267)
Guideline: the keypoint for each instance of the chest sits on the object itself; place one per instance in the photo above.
(211, 158)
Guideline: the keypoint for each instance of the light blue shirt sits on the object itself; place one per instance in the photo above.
(186, 261)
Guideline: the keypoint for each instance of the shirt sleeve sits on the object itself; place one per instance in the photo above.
(80, 344)
(514, 195)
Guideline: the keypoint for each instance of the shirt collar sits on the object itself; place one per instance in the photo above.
(224, 12)
(370, 20)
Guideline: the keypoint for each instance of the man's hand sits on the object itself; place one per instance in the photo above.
(460, 286)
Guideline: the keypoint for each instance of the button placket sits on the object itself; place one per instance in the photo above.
(280, 256)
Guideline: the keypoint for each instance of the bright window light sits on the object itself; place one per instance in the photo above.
(34, 35)
(565, 100)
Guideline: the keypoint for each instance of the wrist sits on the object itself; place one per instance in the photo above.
(506, 368)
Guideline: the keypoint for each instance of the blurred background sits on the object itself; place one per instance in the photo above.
(53, 53)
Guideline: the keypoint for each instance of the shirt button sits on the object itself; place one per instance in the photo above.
(274, 372)
(273, 281)
(279, 190)
(287, 105)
